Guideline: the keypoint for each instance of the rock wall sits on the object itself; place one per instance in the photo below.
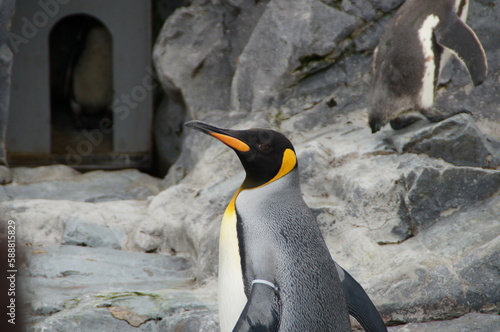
(413, 215)
(394, 206)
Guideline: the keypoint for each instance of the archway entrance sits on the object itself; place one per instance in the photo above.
(81, 85)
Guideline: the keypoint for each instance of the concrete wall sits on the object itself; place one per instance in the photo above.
(6, 10)
(129, 23)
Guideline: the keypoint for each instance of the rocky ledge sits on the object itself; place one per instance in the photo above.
(419, 233)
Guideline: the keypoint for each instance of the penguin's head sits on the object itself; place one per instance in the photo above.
(265, 154)
(375, 123)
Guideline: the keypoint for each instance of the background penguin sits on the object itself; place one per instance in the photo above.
(92, 77)
(410, 56)
(275, 271)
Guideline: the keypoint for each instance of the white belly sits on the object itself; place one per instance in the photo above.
(425, 35)
(232, 298)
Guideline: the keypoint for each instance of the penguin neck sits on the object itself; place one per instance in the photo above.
(255, 179)
(292, 180)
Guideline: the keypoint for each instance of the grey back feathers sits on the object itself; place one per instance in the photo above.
(412, 52)
(281, 242)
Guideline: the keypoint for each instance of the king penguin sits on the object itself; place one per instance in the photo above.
(275, 270)
(411, 55)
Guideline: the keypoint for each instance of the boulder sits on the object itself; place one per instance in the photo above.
(443, 272)
(104, 224)
(90, 234)
(197, 37)
(64, 183)
(112, 290)
(433, 193)
(456, 140)
(291, 40)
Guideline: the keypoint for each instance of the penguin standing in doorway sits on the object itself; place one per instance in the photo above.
(275, 270)
(411, 55)
(92, 78)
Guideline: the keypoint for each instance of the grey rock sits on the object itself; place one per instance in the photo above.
(368, 39)
(92, 235)
(5, 175)
(102, 289)
(457, 275)
(471, 322)
(179, 34)
(187, 321)
(387, 5)
(307, 39)
(251, 57)
(168, 129)
(434, 192)
(194, 231)
(326, 97)
(133, 311)
(85, 319)
(203, 78)
(27, 175)
(50, 218)
(361, 8)
(456, 140)
(6, 11)
(94, 186)
(477, 272)
(77, 271)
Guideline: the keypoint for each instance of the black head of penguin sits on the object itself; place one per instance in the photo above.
(266, 155)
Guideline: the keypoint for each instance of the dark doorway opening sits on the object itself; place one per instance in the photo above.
(81, 86)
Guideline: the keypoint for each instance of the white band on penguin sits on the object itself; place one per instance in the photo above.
(265, 282)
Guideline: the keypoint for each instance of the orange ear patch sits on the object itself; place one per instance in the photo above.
(288, 163)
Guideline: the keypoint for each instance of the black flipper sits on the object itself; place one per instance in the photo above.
(360, 306)
(455, 35)
(261, 313)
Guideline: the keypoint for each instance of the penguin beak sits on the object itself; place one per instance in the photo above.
(226, 136)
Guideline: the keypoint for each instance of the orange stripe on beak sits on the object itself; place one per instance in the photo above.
(231, 142)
